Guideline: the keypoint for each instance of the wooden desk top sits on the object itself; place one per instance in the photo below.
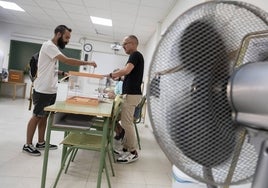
(102, 109)
(14, 83)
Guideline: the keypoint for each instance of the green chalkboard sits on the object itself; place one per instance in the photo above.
(20, 54)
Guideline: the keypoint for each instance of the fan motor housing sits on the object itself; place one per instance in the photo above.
(248, 88)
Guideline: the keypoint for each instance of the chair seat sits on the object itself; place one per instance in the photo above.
(83, 140)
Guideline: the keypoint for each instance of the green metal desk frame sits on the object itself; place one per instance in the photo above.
(103, 109)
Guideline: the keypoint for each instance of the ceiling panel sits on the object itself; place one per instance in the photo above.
(71, 8)
(103, 4)
(138, 17)
(72, 2)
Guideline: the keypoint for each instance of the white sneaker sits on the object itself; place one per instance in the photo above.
(120, 152)
(128, 158)
(118, 147)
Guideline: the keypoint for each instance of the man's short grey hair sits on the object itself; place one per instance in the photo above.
(133, 37)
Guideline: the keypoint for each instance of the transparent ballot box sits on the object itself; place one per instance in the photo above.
(85, 88)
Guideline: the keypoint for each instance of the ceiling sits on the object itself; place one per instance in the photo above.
(138, 17)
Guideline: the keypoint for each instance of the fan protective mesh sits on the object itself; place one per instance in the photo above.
(187, 97)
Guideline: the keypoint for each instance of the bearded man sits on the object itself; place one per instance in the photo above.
(45, 86)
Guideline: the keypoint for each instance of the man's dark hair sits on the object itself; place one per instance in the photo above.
(61, 29)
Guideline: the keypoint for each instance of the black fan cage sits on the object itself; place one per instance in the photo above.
(187, 92)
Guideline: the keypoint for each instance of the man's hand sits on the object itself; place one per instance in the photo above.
(107, 75)
(66, 74)
(91, 63)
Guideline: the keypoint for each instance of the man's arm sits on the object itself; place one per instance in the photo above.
(122, 72)
(74, 62)
(62, 73)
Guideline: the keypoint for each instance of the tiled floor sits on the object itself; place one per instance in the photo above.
(18, 170)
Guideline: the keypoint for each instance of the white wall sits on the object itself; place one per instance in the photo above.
(102, 53)
(108, 62)
(179, 8)
(32, 34)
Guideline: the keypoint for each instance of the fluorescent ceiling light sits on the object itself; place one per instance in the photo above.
(10, 5)
(101, 21)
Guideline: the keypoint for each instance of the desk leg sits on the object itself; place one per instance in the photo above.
(24, 91)
(0, 87)
(45, 160)
(64, 148)
(103, 150)
(14, 92)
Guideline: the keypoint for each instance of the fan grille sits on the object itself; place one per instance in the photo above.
(187, 103)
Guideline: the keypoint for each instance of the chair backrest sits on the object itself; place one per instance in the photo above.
(116, 110)
(138, 110)
(117, 107)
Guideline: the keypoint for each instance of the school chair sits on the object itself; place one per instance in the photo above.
(91, 141)
(137, 118)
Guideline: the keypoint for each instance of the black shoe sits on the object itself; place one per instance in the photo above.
(42, 146)
(121, 135)
(31, 150)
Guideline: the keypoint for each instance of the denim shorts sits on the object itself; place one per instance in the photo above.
(40, 101)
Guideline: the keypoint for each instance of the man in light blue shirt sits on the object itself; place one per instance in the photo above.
(118, 87)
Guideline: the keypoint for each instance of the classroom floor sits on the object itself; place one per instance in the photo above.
(19, 170)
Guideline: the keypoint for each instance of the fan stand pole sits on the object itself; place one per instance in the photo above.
(237, 151)
(208, 175)
(260, 179)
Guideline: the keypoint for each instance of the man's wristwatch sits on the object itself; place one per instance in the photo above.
(111, 75)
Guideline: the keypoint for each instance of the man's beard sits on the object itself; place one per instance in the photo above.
(61, 43)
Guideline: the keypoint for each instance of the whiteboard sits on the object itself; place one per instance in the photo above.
(106, 63)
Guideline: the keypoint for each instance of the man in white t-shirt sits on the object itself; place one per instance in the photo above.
(45, 86)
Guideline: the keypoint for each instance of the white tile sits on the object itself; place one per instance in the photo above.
(19, 182)
(19, 170)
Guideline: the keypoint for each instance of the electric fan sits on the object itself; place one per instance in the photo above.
(207, 94)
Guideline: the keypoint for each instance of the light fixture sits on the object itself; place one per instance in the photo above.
(116, 46)
(101, 21)
(11, 6)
